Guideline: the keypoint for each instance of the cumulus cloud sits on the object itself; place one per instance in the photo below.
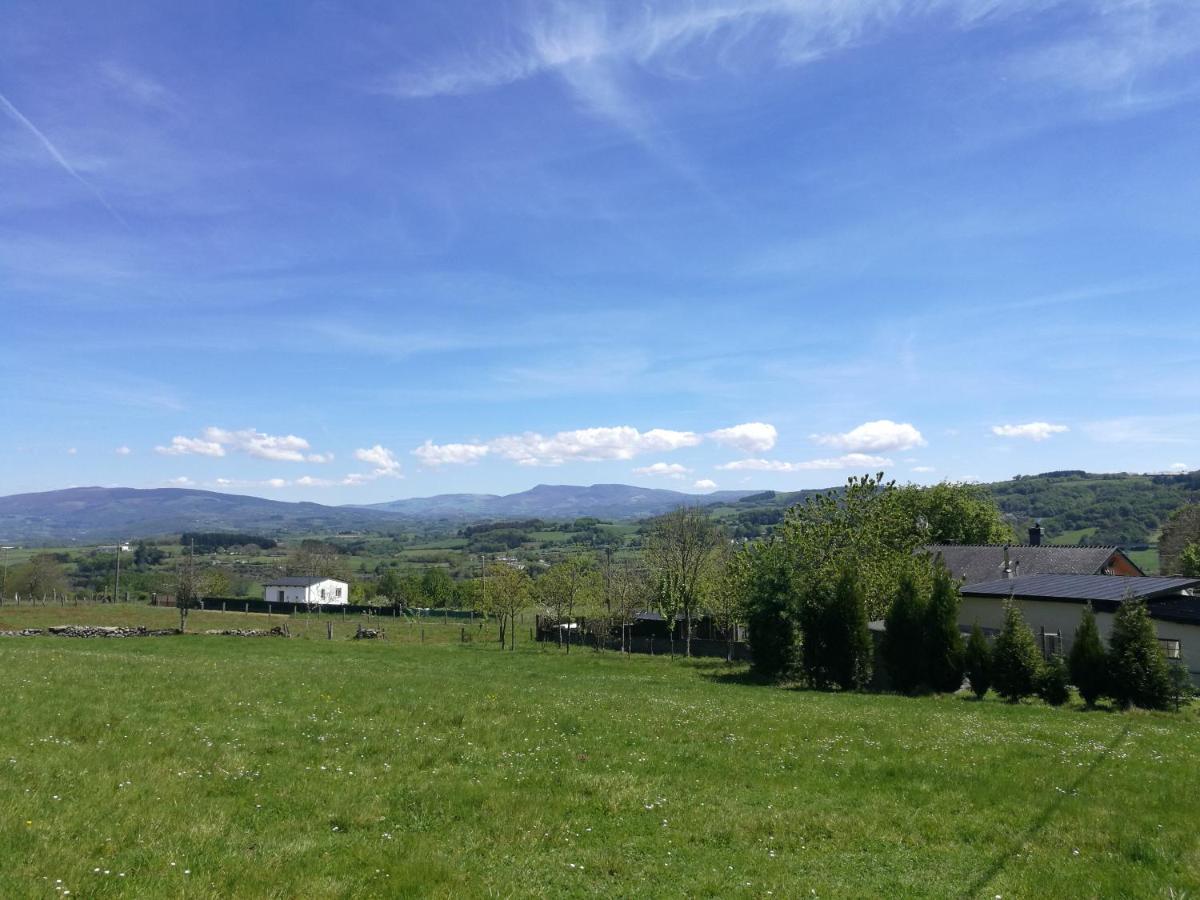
(750, 437)
(310, 481)
(1030, 431)
(705, 484)
(220, 441)
(181, 481)
(384, 461)
(434, 455)
(589, 445)
(848, 461)
(664, 470)
(122, 451)
(880, 436)
(186, 446)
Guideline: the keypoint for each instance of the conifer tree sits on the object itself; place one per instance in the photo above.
(1088, 663)
(904, 639)
(1016, 663)
(943, 640)
(1136, 663)
(1054, 681)
(836, 644)
(978, 659)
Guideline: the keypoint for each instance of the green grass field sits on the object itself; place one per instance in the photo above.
(199, 766)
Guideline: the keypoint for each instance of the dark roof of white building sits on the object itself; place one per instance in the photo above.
(295, 582)
(1083, 588)
(978, 563)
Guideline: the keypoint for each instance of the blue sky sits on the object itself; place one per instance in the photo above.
(357, 251)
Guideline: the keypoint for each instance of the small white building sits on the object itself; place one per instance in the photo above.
(307, 591)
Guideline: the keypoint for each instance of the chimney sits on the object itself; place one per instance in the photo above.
(1007, 565)
(1035, 535)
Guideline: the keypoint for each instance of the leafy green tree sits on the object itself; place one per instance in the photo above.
(391, 588)
(437, 587)
(1138, 668)
(1054, 682)
(681, 551)
(978, 662)
(1182, 688)
(1016, 662)
(505, 592)
(943, 639)
(565, 586)
(836, 645)
(762, 576)
(904, 638)
(318, 559)
(1189, 561)
(1088, 661)
(951, 513)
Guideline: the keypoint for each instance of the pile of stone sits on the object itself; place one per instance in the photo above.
(24, 632)
(277, 631)
(368, 634)
(108, 631)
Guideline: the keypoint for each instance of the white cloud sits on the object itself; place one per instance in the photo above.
(186, 446)
(434, 455)
(385, 463)
(219, 442)
(880, 436)
(181, 481)
(705, 484)
(662, 469)
(310, 481)
(589, 445)
(923, 470)
(848, 461)
(1179, 467)
(123, 451)
(276, 482)
(751, 437)
(1031, 431)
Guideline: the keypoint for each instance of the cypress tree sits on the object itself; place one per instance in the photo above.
(1136, 662)
(814, 615)
(1054, 682)
(978, 659)
(836, 643)
(1088, 663)
(943, 641)
(904, 639)
(1016, 662)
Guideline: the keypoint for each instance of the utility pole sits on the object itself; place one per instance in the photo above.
(117, 587)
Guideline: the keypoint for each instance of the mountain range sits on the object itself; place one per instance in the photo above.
(98, 513)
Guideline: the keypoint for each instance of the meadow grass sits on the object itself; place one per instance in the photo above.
(197, 766)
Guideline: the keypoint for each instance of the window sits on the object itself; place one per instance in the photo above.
(1172, 648)
(281, 596)
(337, 592)
(322, 593)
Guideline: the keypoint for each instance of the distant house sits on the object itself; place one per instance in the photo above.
(1052, 606)
(308, 591)
(978, 563)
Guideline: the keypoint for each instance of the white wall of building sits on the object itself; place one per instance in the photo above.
(329, 592)
(1057, 617)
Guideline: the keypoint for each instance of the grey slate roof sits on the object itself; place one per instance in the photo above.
(293, 582)
(1109, 589)
(977, 563)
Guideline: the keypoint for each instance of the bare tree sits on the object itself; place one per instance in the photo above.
(681, 551)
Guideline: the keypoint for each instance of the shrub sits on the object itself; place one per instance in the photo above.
(903, 647)
(978, 659)
(1136, 662)
(1016, 662)
(1054, 682)
(1088, 663)
(943, 641)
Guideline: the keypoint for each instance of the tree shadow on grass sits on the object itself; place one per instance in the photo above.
(1040, 821)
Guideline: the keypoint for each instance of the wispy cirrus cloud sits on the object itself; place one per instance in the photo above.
(19, 117)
